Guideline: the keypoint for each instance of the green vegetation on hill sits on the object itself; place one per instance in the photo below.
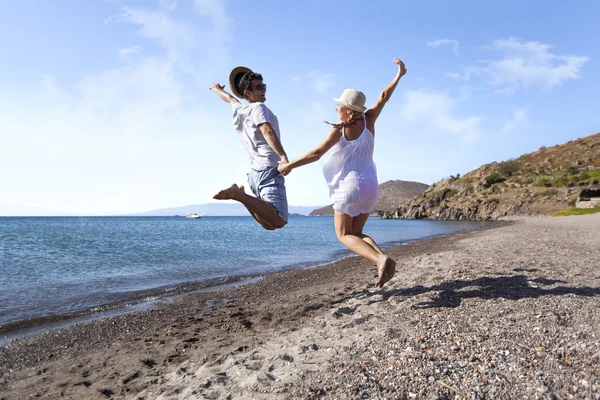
(538, 183)
(577, 211)
(543, 176)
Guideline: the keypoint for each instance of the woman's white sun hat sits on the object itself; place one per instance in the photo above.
(352, 99)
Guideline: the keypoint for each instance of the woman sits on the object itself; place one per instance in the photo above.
(350, 172)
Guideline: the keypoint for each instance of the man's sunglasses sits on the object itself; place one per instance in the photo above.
(260, 87)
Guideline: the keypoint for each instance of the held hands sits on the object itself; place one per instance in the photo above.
(401, 68)
(284, 167)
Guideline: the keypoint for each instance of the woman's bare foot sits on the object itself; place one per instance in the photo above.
(381, 268)
(231, 193)
(386, 271)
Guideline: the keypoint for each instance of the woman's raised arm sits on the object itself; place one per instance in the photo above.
(373, 112)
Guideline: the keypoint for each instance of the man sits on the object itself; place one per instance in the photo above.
(259, 129)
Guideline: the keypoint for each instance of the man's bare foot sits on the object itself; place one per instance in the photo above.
(386, 271)
(231, 193)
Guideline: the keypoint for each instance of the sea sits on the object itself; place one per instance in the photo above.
(57, 270)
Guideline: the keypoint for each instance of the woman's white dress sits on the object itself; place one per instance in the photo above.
(351, 174)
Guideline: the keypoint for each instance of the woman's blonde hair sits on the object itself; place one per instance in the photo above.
(353, 114)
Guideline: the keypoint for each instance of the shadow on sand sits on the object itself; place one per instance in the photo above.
(515, 287)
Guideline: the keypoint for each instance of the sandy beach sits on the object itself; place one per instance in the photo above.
(502, 313)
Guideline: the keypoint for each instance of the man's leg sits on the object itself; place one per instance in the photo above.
(262, 211)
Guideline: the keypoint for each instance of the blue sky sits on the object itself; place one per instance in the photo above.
(105, 107)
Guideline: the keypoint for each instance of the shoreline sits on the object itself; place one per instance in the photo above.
(147, 299)
(502, 312)
(19, 330)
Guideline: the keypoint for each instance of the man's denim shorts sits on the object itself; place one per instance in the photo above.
(269, 185)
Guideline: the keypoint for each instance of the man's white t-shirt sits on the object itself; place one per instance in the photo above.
(246, 119)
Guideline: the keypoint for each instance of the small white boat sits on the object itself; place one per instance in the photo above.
(194, 216)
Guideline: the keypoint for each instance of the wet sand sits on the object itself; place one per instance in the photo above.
(509, 312)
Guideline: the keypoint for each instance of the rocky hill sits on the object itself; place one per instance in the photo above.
(537, 183)
(391, 196)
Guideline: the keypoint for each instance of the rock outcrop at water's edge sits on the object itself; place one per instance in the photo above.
(538, 183)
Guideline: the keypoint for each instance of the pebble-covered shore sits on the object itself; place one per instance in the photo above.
(504, 313)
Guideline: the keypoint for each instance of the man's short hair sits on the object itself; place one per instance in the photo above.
(246, 81)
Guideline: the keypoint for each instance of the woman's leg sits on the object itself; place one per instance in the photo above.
(349, 231)
(343, 229)
(358, 224)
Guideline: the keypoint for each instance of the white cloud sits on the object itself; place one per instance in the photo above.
(467, 73)
(445, 42)
(87, 156)
(51, 92)
(168, 4)
(319, 81)
(436, 110)
(188, 44)
(518, 118)
(139, 95)
(217, 40)
(524, 65)
(147, 89)
(175, 37)
(125, 53)
(127, 138)
(530, 64)
(216, 10)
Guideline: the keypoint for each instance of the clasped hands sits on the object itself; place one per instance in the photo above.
(284, 168)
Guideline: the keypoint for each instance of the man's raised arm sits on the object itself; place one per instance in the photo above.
(226, 97)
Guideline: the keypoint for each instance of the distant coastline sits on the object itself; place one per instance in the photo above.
(207, 209)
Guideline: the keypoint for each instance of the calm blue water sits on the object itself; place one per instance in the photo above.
(53, 266)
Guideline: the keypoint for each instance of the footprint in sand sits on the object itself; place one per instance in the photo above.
(253, 365)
